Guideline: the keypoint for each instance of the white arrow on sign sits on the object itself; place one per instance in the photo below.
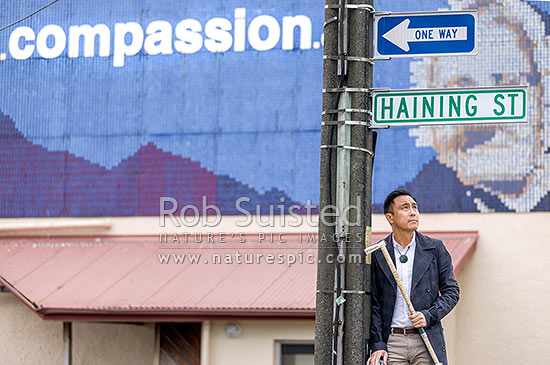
(401, 34)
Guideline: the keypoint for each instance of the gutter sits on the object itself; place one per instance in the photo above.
(164, 315)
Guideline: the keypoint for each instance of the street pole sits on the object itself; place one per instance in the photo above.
(358, 273)
(327, 188)
(341, 328)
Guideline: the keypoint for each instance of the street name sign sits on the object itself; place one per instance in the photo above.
(442, 33)
(450, 106)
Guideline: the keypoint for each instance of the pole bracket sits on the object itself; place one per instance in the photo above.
(385, 58)
(378, 126)
(380, 90)
(366, 7)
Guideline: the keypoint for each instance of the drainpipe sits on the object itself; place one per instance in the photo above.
(205, 343)
(67, 343)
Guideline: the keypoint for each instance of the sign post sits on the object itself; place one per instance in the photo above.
(450, 106)
(442, 33)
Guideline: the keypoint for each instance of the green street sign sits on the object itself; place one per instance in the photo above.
(450, 106)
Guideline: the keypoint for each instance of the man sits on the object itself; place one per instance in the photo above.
(425, 268)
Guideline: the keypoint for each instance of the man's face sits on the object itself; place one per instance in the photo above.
(404, 215)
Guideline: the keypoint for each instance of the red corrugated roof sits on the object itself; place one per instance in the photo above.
(122, 278)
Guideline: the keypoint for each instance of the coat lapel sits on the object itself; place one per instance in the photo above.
(422, 259)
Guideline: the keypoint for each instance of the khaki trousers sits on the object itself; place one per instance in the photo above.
(407, 349)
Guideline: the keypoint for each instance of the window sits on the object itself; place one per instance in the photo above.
(294, 353)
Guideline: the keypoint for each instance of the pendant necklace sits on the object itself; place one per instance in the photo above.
(403, 258)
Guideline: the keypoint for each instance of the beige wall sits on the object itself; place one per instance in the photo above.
(449, 327)
(502, 317)
(27, 339)
(256, 344)
(110, 343)
(503, 313)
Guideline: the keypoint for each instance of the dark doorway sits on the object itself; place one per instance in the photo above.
(180, 343)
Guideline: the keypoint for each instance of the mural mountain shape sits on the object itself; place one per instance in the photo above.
(36, 182)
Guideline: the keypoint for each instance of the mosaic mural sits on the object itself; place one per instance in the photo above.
(107, 106)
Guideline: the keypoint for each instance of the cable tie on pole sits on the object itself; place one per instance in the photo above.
(344, 292)
(348, 89)
(356, 90)
(345, 122)
(352, 148)
(346, 110)
(330, 20)
(347, 58)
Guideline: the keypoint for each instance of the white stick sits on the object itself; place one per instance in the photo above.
(407, 300)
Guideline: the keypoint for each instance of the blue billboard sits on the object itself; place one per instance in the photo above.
(107, 106)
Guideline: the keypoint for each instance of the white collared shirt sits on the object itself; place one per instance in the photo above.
(400, 317)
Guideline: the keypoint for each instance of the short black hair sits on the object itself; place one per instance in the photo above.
(394, 194)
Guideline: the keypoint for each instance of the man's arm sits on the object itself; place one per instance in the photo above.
(448, 288)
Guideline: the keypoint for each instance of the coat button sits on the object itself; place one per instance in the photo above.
(428, 289)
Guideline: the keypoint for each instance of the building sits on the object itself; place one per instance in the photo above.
(489, 294)
(115, 113)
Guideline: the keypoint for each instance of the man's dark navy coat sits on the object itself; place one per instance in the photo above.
(434, 292)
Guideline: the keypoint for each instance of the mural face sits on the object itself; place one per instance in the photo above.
(509, 161)
(105, 107)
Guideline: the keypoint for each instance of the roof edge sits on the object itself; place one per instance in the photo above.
(63, 314)
(18, 294)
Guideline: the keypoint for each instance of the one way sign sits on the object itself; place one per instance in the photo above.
(442, 33)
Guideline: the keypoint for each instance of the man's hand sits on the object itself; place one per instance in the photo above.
(375, 357)
(418, 320)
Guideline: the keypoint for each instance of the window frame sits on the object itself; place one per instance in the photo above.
(279, 347)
